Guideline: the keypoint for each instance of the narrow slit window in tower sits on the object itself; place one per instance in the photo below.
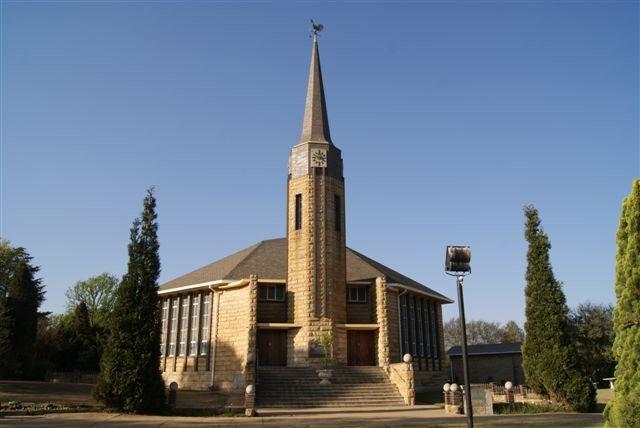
(298, 211)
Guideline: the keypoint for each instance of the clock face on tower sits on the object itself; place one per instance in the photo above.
(318, 158)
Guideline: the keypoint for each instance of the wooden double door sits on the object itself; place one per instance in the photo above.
(361, 348)
(272, 347)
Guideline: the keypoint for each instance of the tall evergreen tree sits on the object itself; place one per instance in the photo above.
(550, 364)
(624, 409)
(84, 340)
(21, 294)
(130, 378)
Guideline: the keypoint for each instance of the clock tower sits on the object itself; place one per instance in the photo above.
(316, 273)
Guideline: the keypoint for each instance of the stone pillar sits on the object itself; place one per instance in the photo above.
(250, 400)
(382, 318)
(412, 389)
(456, 402)
(250, 360)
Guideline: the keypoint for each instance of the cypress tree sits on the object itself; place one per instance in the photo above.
(624, 409)
(551, 365)
(21, 294)
(84, 340)
(130, 378)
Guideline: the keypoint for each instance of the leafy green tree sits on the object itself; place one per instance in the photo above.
(481, 332)
(550, 363)
(21, 294)
(592, 335)
(130, 378)
(624, 409)
(511, 333)
(98, 294)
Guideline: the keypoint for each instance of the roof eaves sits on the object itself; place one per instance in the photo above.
(396, 278)
(192, 287)
(426, 292)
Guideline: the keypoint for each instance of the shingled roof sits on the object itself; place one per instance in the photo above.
(487, 349)
(268, 259)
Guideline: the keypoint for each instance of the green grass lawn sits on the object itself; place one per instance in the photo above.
(36, 394)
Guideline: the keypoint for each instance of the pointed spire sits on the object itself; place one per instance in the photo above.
(315, 125)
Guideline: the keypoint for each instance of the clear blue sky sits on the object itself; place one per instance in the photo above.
(451, 117)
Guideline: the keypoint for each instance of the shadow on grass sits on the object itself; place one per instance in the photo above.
(429, 397)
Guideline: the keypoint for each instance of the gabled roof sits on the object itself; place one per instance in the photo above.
(268, 260)
(487, 349)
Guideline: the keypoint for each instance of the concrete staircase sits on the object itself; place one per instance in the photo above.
(288, 387)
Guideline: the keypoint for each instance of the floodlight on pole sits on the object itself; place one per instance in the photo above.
(458, 264)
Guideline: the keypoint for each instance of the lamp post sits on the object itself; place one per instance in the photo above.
(458, 264)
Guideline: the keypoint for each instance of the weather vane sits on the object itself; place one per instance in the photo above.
(316, 28)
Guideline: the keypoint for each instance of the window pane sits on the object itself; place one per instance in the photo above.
(204, 325)
(362, 297)
(279, 292)
(173, 327)
(195, 314)
(271, 293)
(163, 330)
(184, 325)
(262, 293)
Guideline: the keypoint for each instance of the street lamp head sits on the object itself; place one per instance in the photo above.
(454, 387)
(458, 260)
(446, 387)
(508, 385)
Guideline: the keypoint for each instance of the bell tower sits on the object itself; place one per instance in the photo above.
(316, 275)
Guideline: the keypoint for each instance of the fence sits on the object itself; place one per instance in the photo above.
(521, 393)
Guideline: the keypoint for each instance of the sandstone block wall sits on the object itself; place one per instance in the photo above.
(234, 327)
(272, 312)
(392, 316)
(187, 376)
(363, 313)
(316, 281)
(401, 374)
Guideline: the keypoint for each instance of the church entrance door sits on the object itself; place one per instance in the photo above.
(361, 348)
(272, 347)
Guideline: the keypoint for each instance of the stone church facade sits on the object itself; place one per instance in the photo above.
(268, 304)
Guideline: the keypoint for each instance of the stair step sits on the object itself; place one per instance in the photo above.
(300, 387)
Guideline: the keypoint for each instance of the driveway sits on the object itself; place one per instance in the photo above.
(423, 416)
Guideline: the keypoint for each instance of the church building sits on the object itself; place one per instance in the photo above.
(256, 316)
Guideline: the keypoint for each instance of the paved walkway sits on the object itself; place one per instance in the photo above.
(423, 416)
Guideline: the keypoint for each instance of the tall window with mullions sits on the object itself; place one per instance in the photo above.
(404, 326)
(195, 315)
(419, 323)
(204, 324)
(163, 329)
(184, 326)
(434, 330)
(412, 326)
(173, 327)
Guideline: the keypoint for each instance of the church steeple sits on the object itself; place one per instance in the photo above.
(316, 240)
(315, 125)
